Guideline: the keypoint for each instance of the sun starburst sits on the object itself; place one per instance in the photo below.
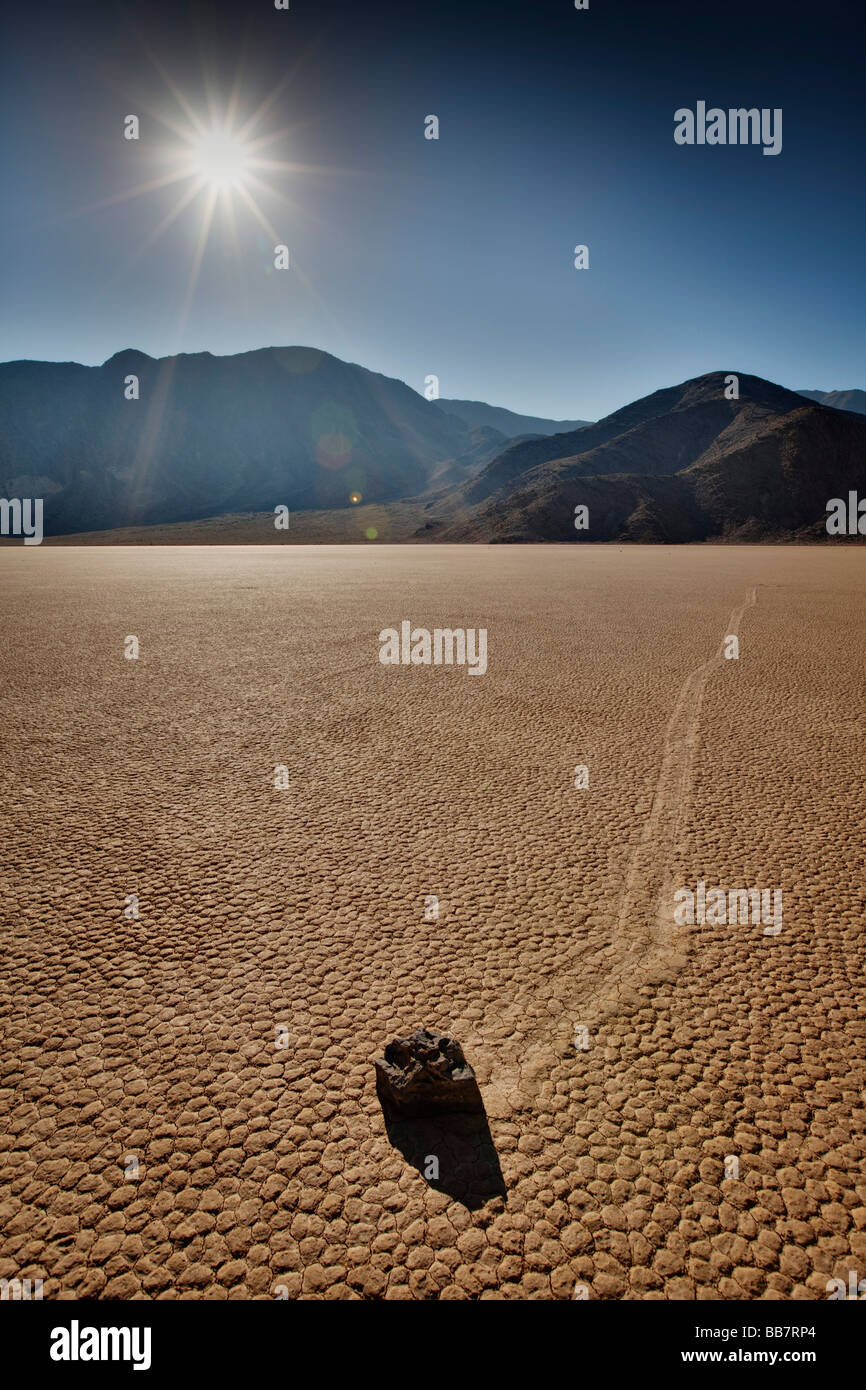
(223, 164)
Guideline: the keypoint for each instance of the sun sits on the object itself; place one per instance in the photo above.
(221, 167)
(221, 159)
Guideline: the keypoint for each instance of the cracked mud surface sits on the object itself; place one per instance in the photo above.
(262, 1168)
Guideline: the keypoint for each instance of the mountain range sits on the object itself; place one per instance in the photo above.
(142, 442)
(209, 435)
(842, 400)
(683, 464)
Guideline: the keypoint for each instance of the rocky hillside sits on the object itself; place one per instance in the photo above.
(684, 464)
(210, 435)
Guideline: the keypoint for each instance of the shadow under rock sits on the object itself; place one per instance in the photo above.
(469, 1168)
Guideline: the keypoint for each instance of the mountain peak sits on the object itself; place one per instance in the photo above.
(127, 357)
(754, 390)
(687, 463)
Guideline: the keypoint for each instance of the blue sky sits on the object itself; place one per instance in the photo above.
(455, 256)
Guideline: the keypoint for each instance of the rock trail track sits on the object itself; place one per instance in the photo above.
(646, 943)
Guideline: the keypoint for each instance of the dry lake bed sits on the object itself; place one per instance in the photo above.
(624, 866)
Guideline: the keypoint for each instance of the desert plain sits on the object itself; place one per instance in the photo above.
(200, 966)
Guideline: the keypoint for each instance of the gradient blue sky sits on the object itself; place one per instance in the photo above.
(452, 257)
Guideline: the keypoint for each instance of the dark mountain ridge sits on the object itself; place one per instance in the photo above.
(216, 436)
(660, 433)
(684, 464)
(210, 435)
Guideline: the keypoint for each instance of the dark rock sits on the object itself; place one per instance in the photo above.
(426, 1074)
